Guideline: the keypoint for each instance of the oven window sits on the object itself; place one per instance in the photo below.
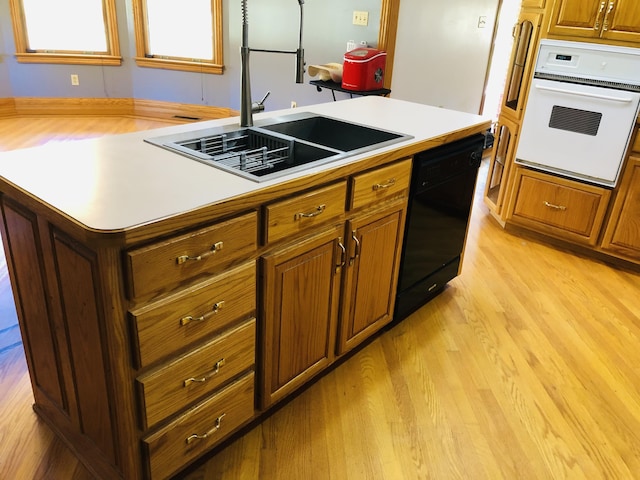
(575, 120)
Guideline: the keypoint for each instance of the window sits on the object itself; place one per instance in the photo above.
(179, 35)
(45, 31)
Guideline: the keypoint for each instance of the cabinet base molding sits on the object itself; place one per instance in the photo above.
(495, 216)
(565, 245)
(90, 456)
(178, 112)
(7, 107)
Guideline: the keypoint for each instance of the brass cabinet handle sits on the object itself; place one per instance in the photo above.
(356, 250)
(216, 369)
(214, 310)
(314, 213)
(203, 436)
(389, 183)
(605, 26)
(555, 207)
(216, 247)
(597, 24)
(343, 255)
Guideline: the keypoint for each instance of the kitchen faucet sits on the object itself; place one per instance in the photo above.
(248, 106)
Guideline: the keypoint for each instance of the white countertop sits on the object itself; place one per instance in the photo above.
(118, 182)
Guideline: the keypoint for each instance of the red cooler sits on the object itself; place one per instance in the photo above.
(363, 69)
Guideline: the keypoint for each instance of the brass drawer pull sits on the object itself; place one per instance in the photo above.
(216, 369)
(389, 183)
(319, 209)
(215, 309)
(555, 207)
(356, 250)
(343, 255)
(597, 24)
(214, 248)
(204, 436)
(605, 26)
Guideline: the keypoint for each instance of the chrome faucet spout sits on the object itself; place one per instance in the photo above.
(246, 104)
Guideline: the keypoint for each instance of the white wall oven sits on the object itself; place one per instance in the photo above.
(581, 110)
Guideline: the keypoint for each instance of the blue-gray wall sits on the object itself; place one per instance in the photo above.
(273, 25)
(5, 84)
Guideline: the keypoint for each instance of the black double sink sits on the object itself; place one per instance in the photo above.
(279, 146)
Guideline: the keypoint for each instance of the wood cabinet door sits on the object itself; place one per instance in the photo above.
(623, 21)
(623, 231)
(371, 274)
(579, 18)
(299, 312)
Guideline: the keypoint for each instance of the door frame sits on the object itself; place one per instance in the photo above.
(389, 12)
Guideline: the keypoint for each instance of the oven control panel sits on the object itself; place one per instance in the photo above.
(589, 61)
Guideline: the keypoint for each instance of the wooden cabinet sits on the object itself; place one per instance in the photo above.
(523, 56)
(133, 351)
(558, 206)
(301, 284)
(189, 333)
(617, 20)
(143, 352)
(333, 277)
(622, 236)
(500, 165)
(370, 274)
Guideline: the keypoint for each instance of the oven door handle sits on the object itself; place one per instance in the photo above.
(583, 94)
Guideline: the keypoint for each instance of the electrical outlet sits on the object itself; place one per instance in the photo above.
(294, 104)
(360, 18)
(482, 21)
(74, 79)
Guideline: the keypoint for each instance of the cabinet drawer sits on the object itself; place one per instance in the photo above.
(165, 265)
(379, 184)
(302, 212)
(200, 372)
(199, 429)
(187, 317)
(559, 206)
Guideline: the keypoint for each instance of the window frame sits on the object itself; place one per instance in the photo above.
(143, 59)
(23, 55)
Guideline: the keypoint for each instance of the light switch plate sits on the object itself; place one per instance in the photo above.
(360, 18)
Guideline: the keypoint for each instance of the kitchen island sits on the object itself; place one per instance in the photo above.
(160, 299)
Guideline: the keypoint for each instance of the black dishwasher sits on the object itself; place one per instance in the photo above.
(440, 200)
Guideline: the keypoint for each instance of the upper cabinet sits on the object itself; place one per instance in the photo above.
(617, 20)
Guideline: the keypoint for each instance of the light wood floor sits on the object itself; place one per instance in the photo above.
(527, 366)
